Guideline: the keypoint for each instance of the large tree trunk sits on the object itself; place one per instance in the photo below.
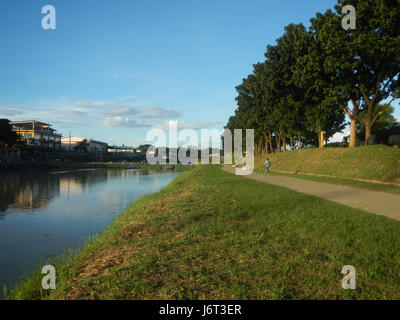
(265, 142)
(299, 145)
(291, 143)
(353, 132)
(370, 120)
(321, 139)
(278, 141)
(353, 116)
(368, 132)
(284, 142)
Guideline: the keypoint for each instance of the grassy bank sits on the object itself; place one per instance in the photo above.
(340, 166)
(213, 235)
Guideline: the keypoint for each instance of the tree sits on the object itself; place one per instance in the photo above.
(312, 78)
(271, 101)
(327, 92)
(312, 107)
(82, 146)
(143, 147)
(7, 136)
(385, 125)
(335, 122)
(365, 61)
(377, 44)
(249, 102)
(284, 94)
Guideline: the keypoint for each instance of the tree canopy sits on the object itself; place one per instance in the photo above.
(313, 77)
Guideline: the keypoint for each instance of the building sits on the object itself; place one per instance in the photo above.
(120, 153)
(69, 143)
(123, 149)
(37, 134)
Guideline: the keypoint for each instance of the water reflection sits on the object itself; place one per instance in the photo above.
(29, 191)
(42, 214)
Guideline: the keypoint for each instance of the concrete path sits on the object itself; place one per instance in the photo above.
(382, 203)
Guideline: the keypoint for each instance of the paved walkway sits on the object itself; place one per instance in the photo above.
(382, 203)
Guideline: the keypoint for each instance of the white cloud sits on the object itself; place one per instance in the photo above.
(64, 113)
(152, 112)
(145, 113)
(121, 122)
(119, 110)
(194, 125)
(9, 111)
(127, 98)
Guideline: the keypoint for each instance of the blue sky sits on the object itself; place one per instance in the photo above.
(114, 69)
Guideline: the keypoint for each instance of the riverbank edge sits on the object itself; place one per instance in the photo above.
(6, 168)
(66, 263)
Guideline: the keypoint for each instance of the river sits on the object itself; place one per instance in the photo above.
(42, 214)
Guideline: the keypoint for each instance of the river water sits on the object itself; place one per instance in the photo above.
(43, 214)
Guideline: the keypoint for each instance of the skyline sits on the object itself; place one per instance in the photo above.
(112, 71)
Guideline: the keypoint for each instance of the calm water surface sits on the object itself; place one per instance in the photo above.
(43, 214)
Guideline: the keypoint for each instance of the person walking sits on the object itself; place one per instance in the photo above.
(267, 166)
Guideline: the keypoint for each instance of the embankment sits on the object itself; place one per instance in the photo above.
(372, 163)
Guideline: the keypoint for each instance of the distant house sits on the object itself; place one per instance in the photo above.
(119, 153)
(69, 143)
(120, 149)
(37, 134)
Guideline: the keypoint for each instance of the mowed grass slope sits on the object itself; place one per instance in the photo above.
(214, 235)
(381, 163)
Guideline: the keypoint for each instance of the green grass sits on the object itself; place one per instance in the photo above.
(380, 163)
(214, 235)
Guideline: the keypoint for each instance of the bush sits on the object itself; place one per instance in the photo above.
(371, 140)
(336, 145)
(394, 140)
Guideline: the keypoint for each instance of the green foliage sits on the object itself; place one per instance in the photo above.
(7, 136)
(311, 78)
(385, 125)
(143, 147)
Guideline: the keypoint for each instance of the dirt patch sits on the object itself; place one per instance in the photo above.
(96, 265)
(135, 227)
